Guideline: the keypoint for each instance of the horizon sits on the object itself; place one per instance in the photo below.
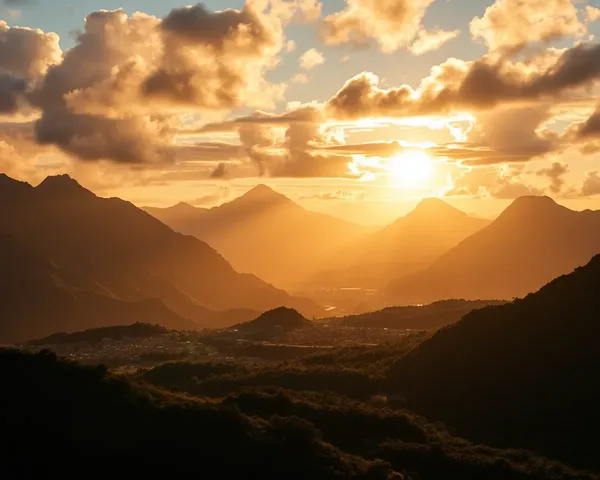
(344, 118)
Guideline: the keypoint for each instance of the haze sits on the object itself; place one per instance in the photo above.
(300, 239)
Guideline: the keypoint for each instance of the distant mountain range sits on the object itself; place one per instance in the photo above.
(533, 241)
(521, 375)
(406, 246)
(89, 254)
(425, 317)
(265, 233)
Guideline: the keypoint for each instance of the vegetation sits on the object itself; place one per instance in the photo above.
(94, 418)
(522, 374)
(137, 330)
(137, 429)
(432, 316)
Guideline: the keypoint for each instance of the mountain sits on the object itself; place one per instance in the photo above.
(406, 246)
(533, 241)
(265, 233)
(425, 317)
(97, 335)
(521, 375)
(37, 299)
(111, 247)
(283, 319)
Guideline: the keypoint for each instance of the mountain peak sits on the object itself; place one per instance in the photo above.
(264, 194)
(61, 184)
(532, 205)
(434, 206)
(9, 184)
(283, 317)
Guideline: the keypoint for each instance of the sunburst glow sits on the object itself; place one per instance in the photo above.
(410, 169)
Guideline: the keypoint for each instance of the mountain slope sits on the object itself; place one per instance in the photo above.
(520, 375)
(287, 319)
(533, 241)
(110, 246)
(38, 299)
(426, 317)
(264, 233)
(406, 246)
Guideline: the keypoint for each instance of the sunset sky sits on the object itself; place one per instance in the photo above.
(358, 108)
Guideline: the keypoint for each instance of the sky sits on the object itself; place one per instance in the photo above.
(357, 108)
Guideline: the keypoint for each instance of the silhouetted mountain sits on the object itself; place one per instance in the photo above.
(265, 233)
(95, 335)
(406, 246)
(37, 298)
(111, 247)
(530, 243)
(284, 319)
(426, 317)
(520, 375)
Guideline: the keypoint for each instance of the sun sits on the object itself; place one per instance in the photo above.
(410, 169)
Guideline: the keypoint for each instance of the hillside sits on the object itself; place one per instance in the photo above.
(533, 241)
(520, 375)
(142, 431)
(406, 246)
(425, 317)
(287, 319)
(109, 246)
(265, 233)
(95, 335)
(37, 299)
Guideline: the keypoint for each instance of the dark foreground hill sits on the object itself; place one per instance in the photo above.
(520, 375)
(425, 317)
(532, 242)
(59, 419)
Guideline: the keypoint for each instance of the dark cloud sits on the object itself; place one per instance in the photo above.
(220, 171)
(482, 84)
(12, 93)
(555, 174)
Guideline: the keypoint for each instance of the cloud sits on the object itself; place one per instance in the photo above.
(431, 40)
(221, 193)
(338, 195)
(392, 24)
(311, 58)
(591, 184)
(456, 85)
(301, 78)
(25, 56)
(27, 53)
(508, 26)
(505, 183)
(12, 93)
(117, 93)
(555, 174)
(220, 171)
(301, 153)
(592, 14)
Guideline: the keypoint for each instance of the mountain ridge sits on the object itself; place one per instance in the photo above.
(112, 247)
(531, 242)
